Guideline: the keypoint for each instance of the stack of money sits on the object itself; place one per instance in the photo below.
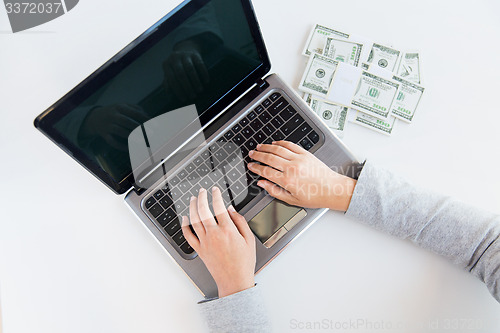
(349, 77)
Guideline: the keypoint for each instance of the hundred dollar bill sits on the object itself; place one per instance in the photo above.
(334, 115)
(317, 39)
(376, 124)
(407, 100)
(374, 95)
(318, 75)
(384, 57)
(343, 50)
(410, 67)
(307, 98)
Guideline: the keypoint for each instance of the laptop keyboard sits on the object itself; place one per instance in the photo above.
(223, 164)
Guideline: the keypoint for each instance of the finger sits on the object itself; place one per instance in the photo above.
(206, 216)
(280, 151)
(290, 146)
(173, 85)
(201, 68)
(195, 218)
(276, 191)
(270, 159)
(267, 172)
(241, 224)
(219, 208)
(188, 234)
(192, 74)
(181, 78)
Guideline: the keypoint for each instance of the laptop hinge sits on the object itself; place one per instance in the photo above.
(261, 83)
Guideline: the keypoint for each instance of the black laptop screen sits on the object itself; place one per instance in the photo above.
(196, 56)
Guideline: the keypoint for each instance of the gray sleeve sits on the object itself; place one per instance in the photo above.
(240, 312)
(467, 236)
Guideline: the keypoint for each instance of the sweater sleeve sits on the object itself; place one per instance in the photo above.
(467, 236)
(243, 312)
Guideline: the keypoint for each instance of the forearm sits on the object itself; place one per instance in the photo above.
(467, 236)
(240, 312)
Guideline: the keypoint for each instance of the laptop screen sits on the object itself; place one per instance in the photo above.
(198, 54)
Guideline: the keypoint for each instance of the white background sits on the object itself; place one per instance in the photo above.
(74, 259)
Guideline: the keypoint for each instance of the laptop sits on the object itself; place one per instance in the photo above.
(179, 108)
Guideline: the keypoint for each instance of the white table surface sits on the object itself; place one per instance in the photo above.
(74, 259)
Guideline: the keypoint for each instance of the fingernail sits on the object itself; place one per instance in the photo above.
(259, 183)
(250, 165)
(250, 153)
(193, 198)
(184, 218)
(258, 146)
(273, 142)
(215, 188)
(231, 209)
(202, 189)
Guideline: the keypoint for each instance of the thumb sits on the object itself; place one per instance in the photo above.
(240, 223)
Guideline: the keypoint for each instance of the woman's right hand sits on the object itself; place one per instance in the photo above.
(297, 177)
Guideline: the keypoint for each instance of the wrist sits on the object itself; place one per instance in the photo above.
(343, 192)
(235, 288)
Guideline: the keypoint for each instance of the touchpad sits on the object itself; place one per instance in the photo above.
(275, 220)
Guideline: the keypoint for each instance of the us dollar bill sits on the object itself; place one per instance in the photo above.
(343, 50)
(374, 95)
(317, 39)
(384, 57)
(307, 98)
(407, 99)
(333, 115)
(378, 125)
(409, 67)
(318, 75)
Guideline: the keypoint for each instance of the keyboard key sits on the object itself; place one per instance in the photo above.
(216, 175)
(173, 226)
(278, 106)
(278, 135)
(314, 137)
(251, 116)
(203, 170)
(306, 143)
(247, 132)
(265, 117)
(229, 135)
(259, 109)
(236, 128)
(233, 175)
(238, 139)
(166, 201)
(179, 238)
(296, 136)
(182, 174)
(256, 125)
(174, 181)
(186, 248)
(296, 120)
(149, 202)
(266, 102)
(277, 122)
(244, 122)
(205, 155)
(268, 129)
(166, 217)
(259, 137)
(156, 210)
(305, 128)
(275, 96)
(288, 113)
(251, 144)
(190, 167)
(158, 194)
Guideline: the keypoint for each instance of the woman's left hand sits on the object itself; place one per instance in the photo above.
(225, 242)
